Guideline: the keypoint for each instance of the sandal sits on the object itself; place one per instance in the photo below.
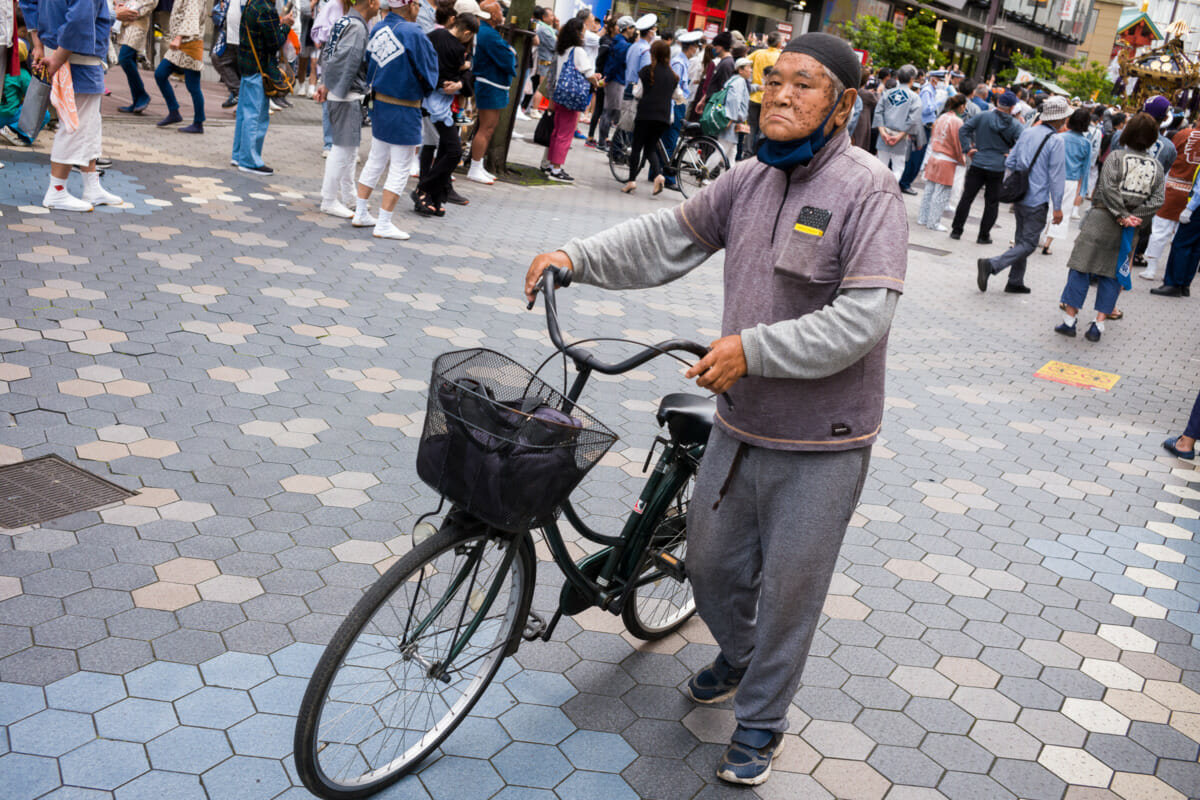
(1115, 314)
(1046, 251)
(425, 208)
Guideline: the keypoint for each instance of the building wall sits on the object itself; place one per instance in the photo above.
(1098, 45)
(1188, 11)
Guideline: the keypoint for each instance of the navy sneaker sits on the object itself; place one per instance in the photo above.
(1065, 329)
(716, 682)
(748, 758)
(1093, 333)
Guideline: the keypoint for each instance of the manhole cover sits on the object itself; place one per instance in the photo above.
(48, 488)
(933, 251)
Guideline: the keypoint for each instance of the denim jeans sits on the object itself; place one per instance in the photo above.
(252, 117)
(1185, 255)
(1075, 292)
(191, 79)
(127, 58)
(326, 133)
(1030, 222)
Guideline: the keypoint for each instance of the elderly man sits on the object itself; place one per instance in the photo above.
(898, 120)
(73, 34)
(812, 277)
(1047, 179)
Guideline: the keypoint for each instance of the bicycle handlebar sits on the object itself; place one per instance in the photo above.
(562, 278)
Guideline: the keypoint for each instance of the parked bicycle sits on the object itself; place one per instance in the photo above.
(697, 161)
(422, 645)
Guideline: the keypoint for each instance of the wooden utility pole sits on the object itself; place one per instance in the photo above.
(985, 56)
(517, 30)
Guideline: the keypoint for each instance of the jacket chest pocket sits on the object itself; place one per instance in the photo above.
(806, 273)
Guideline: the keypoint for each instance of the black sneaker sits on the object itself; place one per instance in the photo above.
(1093, 333)
(104, 163)
(560, 175)
(984, 240)
(983, 271)
(263, 170)
(230, 101)
(283, 101)
(456, 198)
(956, 235)
(1017, 288)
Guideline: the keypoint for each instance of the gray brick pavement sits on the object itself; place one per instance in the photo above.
(1013, 615)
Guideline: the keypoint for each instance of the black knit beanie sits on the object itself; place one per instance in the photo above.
(832, 52)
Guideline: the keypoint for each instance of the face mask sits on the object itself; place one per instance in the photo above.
(786, 155)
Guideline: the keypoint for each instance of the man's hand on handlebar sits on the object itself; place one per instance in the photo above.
(556, 259)
(721, 368)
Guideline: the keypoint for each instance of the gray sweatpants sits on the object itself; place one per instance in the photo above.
(761, 562)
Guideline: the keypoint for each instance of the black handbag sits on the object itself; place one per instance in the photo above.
(1016, 182)
(545, 127)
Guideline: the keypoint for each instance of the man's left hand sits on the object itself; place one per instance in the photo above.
(1058, 217)
(54, 60)
(721, 368)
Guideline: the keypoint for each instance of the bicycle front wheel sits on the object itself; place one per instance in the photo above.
(618, 154)
(698, 162)
(662, 599)
(411, 660)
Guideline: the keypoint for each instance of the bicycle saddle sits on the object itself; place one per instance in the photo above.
(691, 128)
(688, 417)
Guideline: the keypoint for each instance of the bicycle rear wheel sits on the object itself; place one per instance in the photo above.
(697, 163)
(618, 154)
(383, 695)
(662, 598)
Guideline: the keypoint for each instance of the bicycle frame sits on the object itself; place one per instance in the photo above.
(612, 583)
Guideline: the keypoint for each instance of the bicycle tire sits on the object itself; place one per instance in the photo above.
(659, 604)
(697, 163)
(342, 767)
(618, 155)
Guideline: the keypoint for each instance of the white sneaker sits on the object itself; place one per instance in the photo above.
(939, 228)
(335, 208)
(480, 175)
(1148, 275)
(521, 115)
(386, 230)
(272, 106)
(99, 196)
(324, 154)
(364, 220)
(62, 200)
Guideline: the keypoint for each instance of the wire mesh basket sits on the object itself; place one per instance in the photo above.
(499, 443)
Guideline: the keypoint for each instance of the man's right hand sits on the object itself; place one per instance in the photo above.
(125, 14)
(555, 259)
(287, 19)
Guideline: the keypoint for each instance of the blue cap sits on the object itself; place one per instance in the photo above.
(1007, 100)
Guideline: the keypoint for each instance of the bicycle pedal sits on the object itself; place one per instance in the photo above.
(669, 564)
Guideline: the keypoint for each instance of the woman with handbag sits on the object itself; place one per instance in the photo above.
(657, 90)
(185, 31)
(574, 77)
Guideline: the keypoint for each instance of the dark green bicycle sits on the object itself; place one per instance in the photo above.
(422, 645)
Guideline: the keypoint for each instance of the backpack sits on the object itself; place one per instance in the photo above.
(571, 90)
(714, 119)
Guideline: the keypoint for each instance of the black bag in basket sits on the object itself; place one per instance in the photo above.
(509, 463)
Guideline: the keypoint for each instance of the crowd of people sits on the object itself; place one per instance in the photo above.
(1048, 156)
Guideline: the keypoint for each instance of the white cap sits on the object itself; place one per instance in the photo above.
(742, 62)
(398, 3)
(646, 22)
(624, 22)
(470, 7)
(690, 37)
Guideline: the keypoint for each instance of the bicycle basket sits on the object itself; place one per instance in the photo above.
(498, 444)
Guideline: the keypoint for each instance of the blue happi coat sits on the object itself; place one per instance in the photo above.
(81, 26)
(402, 64)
